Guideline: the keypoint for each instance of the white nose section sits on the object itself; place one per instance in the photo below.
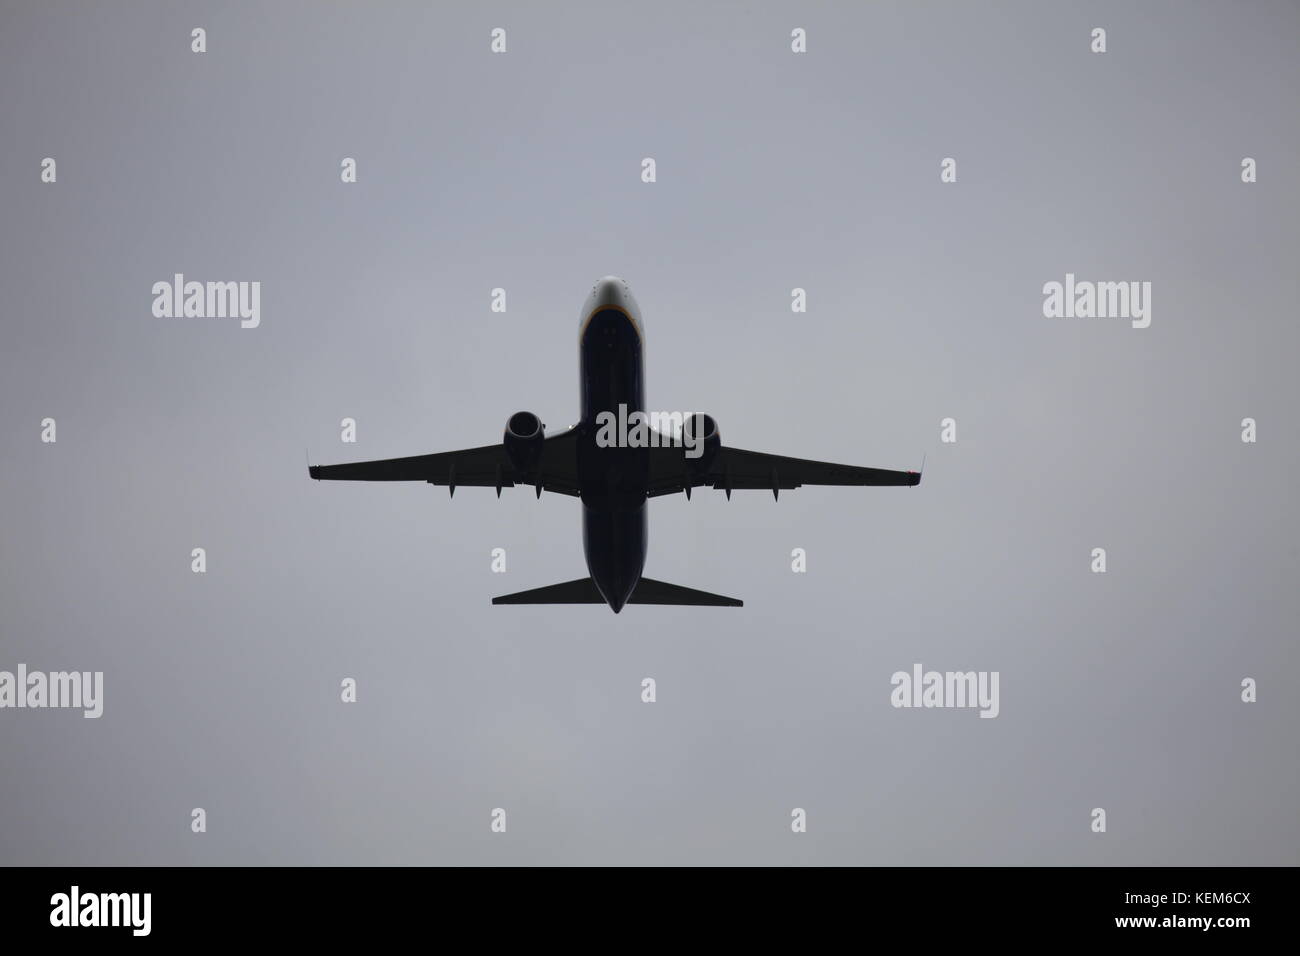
(611, 292)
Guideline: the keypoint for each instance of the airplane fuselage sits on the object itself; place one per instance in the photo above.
(613, 480)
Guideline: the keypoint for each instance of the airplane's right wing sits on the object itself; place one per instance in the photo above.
(488, 466)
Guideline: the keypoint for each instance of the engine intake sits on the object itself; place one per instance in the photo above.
(523, 440)
(700, 428)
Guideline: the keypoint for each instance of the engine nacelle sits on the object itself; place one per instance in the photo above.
(707, 434)
(523, 440)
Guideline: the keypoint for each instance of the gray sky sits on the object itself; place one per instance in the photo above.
(775, 170)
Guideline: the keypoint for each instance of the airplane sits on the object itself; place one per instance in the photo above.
(614, 481)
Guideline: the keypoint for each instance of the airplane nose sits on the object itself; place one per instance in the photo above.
(613, 295)
(610, 291)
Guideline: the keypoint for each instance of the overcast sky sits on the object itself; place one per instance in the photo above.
(775, 170)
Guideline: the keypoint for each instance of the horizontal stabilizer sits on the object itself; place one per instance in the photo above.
(650, 591)
(581, 591)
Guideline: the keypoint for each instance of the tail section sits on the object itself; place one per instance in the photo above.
(581, 591)
(648, 591)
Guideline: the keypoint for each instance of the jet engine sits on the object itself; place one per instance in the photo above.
(701, 428)
(523, 440)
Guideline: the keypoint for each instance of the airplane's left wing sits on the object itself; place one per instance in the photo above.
(488, 467)
(734, 469)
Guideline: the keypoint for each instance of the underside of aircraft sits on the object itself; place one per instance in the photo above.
(613, 482)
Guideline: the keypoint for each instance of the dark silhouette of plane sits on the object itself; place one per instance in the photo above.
(612, 479)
